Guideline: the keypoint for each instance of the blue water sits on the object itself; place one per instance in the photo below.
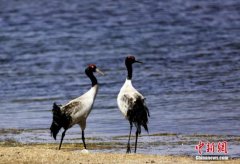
(190, 76)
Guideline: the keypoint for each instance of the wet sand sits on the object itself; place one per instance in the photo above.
(47, 153)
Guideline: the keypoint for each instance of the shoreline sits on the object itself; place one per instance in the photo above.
(169, 145)
(47, 153)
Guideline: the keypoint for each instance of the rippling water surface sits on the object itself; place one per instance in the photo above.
(190, 76)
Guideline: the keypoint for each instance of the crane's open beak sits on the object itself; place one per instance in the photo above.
(99, 71)
(138, 62)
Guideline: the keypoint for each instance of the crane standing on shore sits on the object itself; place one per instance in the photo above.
(132, 104)
(77, 110)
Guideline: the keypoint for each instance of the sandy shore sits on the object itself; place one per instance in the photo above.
(47, 153)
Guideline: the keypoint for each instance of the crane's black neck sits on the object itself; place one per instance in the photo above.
(93, 79)
(129, 69)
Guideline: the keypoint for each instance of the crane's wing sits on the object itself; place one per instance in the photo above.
(133, 102)
(72, 107)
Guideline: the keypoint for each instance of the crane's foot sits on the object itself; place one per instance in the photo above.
(128, 149)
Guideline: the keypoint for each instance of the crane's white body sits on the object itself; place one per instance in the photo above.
(127, 96)
(78, 109)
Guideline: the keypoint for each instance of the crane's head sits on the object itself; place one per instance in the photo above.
(130, 60)
(93, 68)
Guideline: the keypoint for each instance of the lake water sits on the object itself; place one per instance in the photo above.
(190, 76)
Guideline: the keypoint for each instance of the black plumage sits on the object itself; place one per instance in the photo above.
(60, 120)
(138, 114)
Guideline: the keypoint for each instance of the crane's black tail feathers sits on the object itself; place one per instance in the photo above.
(59, 120)
(139, 114)
(56, 125)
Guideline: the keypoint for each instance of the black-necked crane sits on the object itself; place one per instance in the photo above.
(132, 104)
(77, 110)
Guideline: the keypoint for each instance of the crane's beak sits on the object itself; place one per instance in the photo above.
(99, 71)
(138, 62)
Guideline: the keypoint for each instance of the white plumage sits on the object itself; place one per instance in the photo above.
(79, 109)
(127, 91)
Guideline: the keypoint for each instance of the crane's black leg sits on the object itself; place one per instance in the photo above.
(128, 145)
(83, 139)
(136, 141)
(63, 134)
